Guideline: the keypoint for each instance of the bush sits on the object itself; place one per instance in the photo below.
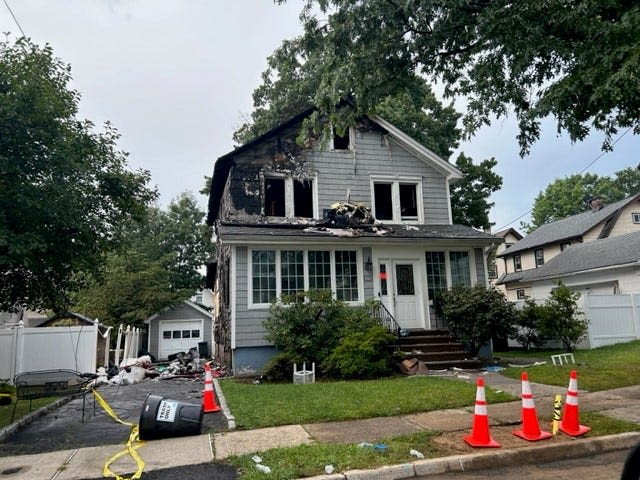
(528, 321)
(563, 320)
(280, 368)
(475, 315)
(361, 355)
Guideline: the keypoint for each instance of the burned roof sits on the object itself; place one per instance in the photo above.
(256, 232)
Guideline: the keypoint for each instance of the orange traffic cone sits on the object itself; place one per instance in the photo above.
(209, 404)
(570, 423)
(530, 427)
(480, 436)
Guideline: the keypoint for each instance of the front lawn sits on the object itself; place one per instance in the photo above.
(602, 368)
(267, 405)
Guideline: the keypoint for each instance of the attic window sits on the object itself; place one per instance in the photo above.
(341, 142)
(397, 200)
(635, 217)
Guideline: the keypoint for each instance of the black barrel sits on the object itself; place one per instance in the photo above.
(163, 418)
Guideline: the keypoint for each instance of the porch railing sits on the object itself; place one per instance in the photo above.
(380, 312)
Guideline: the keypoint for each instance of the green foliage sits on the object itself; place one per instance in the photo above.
(469, 196)
(528, 320)
(565, 196)
(476, 314)
(563, 320)
(65, 190)
(361, 355)
(156, 267)
(307, 327)
(280, 367)
(578, 63)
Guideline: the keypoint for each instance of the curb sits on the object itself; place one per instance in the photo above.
(231, 420)
(495, 458)
(30, 417)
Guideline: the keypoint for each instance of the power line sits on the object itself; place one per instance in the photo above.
(603, 153)
(14, 17)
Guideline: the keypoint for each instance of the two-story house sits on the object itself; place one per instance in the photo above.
(521, 260)
(509, 237)
(367, 216)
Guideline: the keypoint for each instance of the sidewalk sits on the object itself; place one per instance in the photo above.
(623, 403)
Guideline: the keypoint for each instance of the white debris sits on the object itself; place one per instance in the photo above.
(416, 453)
(328, 469)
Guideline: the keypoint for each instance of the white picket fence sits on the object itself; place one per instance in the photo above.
(45, 348)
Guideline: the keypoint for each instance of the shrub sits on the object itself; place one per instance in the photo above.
(475, 315)
(280, 368)
(563, 320)
(528, 322)
(362, 355)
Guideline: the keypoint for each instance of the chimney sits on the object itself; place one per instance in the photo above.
(594, 202)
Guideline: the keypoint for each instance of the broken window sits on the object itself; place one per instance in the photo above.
(303, 198)
(341, 142)
(287, 197)
(408, 202)
(274, 197)
(397, 201)
(383, 202)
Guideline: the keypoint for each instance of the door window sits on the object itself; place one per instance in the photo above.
(404, 279)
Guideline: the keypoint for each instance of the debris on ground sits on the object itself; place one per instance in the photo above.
(416, 453)
(413, 366)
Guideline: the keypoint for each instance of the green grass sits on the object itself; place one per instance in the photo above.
(309, 460)
(22, 409)
(602, 368)
(267, 405)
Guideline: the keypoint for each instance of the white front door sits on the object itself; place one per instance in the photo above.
(400, 291)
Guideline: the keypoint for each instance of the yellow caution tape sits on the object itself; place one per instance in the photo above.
(133, 444)
(557, 407)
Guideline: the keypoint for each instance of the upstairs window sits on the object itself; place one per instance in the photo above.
(341, 142)
(517, 263)
(635, 217)
(539, 254)
(397, 200)
(288, 197)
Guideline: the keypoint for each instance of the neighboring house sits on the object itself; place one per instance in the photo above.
(290, 219)
(179, 328)
(28, 317)
(203, 298)
(549, 240)
(497, 267)
(607, 266)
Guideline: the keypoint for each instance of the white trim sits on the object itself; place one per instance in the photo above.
(396, 181)
(422, 152)
(289, 200)
(232, 293)
(305, 258)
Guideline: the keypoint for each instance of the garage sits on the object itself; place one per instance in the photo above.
(179, 328)
(179, 336)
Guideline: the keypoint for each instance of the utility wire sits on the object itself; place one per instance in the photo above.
(602, 154)
(14, 17)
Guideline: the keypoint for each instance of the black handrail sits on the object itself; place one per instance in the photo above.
(380, 312)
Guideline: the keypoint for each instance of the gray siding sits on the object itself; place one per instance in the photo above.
(376, 154)
(249, 329)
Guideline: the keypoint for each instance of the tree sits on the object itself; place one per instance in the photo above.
(469, 196)
(65, 190)
(289, 86)
(566, 196)
(157, 266)
(575, 61)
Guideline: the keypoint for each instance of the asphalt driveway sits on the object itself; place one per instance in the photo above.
(63, 428)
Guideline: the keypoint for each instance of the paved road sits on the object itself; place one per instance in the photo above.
(606, 466)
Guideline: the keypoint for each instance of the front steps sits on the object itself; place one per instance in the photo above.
(437, 349)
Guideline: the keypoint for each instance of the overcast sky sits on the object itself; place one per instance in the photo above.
(176, 77)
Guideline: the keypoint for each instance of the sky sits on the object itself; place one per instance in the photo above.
(176, 78)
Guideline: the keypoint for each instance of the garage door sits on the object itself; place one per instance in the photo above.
(179, 336)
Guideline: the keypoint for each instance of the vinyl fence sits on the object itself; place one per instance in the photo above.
(45, 348)
(612, 319)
